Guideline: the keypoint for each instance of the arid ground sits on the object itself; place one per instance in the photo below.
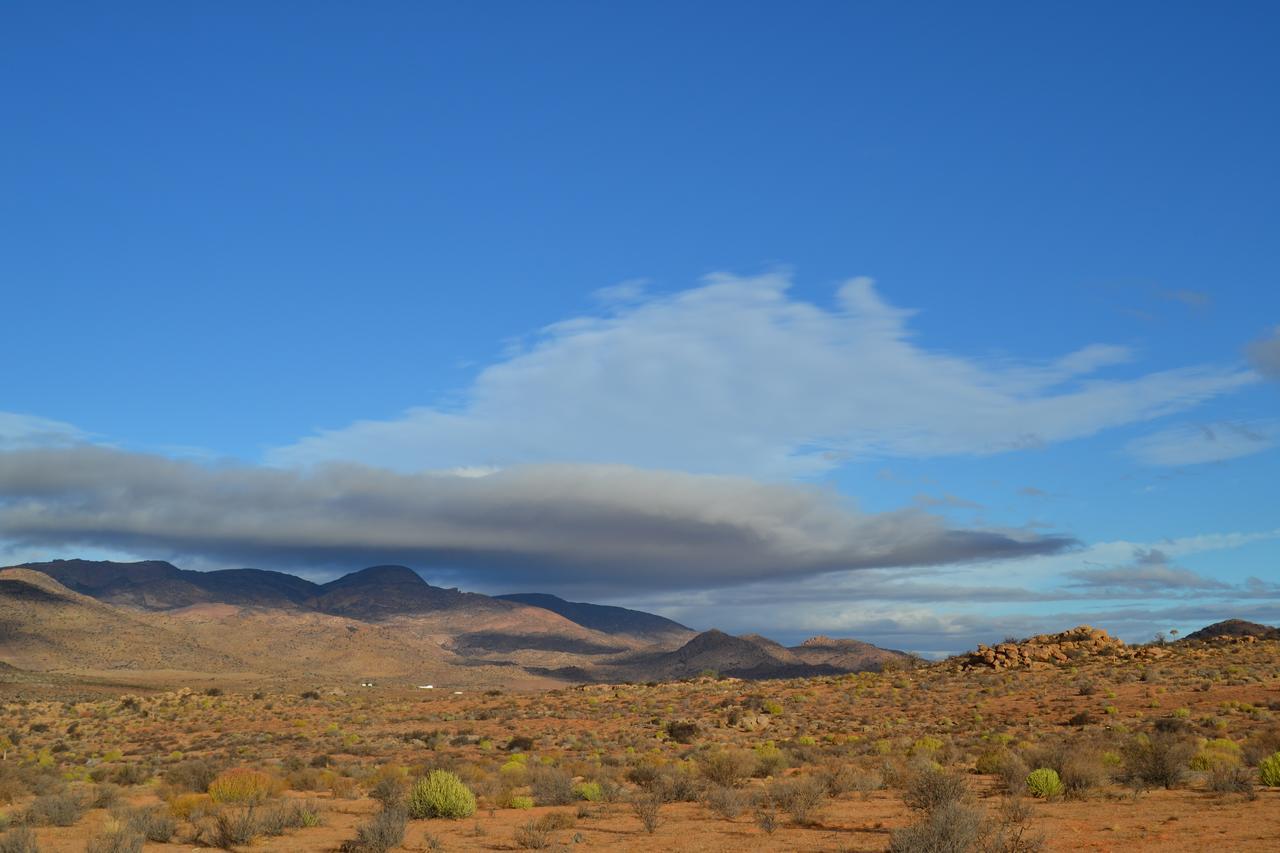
(1150, 748)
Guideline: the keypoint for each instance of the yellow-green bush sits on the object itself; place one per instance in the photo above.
(589, 791)
(1269, 770)
(1044, 783)
(441, 794)
(1219, 752)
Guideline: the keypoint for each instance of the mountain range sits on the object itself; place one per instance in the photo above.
(152, 622)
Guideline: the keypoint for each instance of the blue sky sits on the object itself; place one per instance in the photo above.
(1008, 269)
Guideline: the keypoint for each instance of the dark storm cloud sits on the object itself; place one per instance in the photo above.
(611, 526)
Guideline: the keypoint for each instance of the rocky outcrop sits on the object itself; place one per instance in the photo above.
(1043, 649)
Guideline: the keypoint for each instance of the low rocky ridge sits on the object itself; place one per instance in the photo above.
(1047, 649)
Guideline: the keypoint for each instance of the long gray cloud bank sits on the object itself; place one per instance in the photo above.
(596, 526)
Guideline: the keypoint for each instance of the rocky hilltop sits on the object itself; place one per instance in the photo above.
(1044, 649)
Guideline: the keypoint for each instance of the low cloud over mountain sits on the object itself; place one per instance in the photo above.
(594, 526)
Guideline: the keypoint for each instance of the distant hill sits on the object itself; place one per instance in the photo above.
(380, 592)
(157, 585)
(1234, 628)
(384, 621)
(46, 626)
(750, 657)
(606, 618)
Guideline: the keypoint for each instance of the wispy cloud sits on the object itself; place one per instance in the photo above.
(1115, 584)
(19, 431)
(736, 376)
(1264, 354)
(603, 528)
(1193, 444)
(1150, 572)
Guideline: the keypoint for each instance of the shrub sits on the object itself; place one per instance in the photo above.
(1044, 783)
(190, 776)
(1219, 752)
(728, 803)
(990, 762)
(551, 786)
(243, 786)
(532, 837)
(20, 839)
(728, 768)
(1269, 770)
(280, 818)
(930, 789)
(769, 760)
(385, 831)
(799, 797)
(1082, 773)
(105, 796)
(388, 790)
(520, 802)
(1158, 759)
(557, 820)
(115, 839)
(233, 827)
(153, 824)
(131, 774)
(190, 806)
(441, 794)
(1012, 773)
(1261, 744)
(648, 807)
(951, 826)
(589, 791)
(55, 810)
(1225, 779)
(682, 731)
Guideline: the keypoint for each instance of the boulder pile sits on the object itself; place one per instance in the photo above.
(1081, 642)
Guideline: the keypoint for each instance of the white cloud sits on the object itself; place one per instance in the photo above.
(1193, 444)
(735, 376)
(22, 431)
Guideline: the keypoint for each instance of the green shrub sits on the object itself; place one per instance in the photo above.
(520, 802)
(589, 791)
(1269, 770)
(1044, 783)
(1219, 752)
(441, 794)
